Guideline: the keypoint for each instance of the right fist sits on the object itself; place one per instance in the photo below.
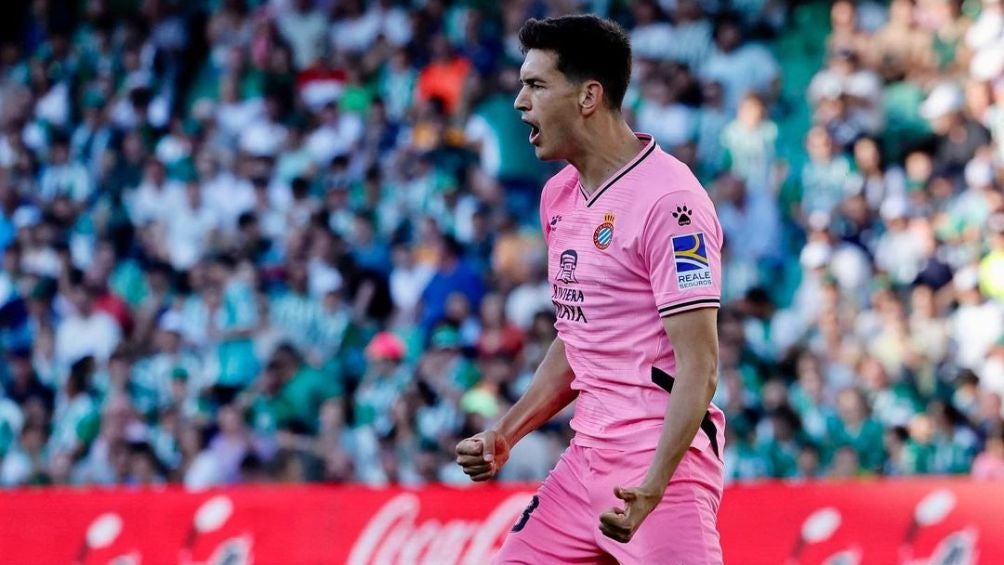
(481, 456)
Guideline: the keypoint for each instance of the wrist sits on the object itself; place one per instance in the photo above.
(505, 432)
(654, 485)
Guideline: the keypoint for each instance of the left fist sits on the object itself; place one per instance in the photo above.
(621, 524)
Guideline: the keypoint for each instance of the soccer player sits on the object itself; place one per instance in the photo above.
(634, 262)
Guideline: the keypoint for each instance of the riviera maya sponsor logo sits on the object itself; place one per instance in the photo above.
(604, 233)
(568, 301)
(693, 269)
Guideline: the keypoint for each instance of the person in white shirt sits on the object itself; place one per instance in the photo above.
(355, 31)
(652, 36)
(691, 34)
(226, 194)
(740, 68)
(85, 331)
(337, 134)
(530, 297)
(190, 228)
(303, 27)
(407, 281)
(234, 114)
(154, 197)
(63, 177)
(977, 324)
(750, 222)
(899, 251)
(661, 114)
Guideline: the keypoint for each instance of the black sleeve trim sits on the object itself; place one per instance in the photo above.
(703, 302)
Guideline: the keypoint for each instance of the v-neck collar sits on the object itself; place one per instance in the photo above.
(645, 152)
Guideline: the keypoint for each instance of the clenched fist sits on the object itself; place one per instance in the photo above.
(481, 456)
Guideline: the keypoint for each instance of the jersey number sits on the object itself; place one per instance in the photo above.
(526, 514)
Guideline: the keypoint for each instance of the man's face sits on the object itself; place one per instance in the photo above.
(20, 368)
(156, 172)
(11, 260)
(168, 341)
(944, 122)
(82, 300)
(548, 101)
(60, 154)
(728, 38)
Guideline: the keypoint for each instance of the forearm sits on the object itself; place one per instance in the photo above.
(549, 392)
(692, 392)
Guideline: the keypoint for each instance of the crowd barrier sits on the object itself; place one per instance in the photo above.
(923, 521)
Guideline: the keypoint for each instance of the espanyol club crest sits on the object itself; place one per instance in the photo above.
(604, 233)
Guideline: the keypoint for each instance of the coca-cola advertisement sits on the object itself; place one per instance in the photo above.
(909, 522)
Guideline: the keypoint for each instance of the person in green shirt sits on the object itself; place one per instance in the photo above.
(234, 323)
(396, 85)
(782, 447)
(917, 457)
(750, 144)
(294, 312)
(444, 365)
(304, 389)
(955, 442)
(77, 419)
(807, 397)
(744, 459)
(383, 384)
(11, 421)
(268, 410)
(856, 428)
(824, 177)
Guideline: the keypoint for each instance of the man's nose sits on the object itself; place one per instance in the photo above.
(522, 102)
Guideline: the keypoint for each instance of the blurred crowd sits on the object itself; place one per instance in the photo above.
(298, 240)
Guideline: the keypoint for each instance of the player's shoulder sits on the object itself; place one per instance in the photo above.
(671, 196)
(666, 175)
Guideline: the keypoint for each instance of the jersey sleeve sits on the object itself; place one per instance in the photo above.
(682, 249)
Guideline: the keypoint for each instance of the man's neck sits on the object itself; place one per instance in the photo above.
(612, 145)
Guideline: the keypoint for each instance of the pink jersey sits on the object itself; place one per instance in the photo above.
(645, 245)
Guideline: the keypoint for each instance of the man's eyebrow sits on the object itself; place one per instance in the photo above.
(529, 79)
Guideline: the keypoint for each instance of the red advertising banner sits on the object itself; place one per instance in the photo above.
(908, 522)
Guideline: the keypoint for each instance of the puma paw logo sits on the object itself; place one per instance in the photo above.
(682, 215)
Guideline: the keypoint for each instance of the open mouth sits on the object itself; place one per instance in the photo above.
(534, 132)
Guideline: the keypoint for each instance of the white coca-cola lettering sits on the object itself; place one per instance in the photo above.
(394, 537)
(493, 530)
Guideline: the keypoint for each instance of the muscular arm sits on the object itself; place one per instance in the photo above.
(483, 455)
(549, 392)
(694, 337)
(695, 340)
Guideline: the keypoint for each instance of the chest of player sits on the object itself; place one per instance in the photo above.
(593, 264)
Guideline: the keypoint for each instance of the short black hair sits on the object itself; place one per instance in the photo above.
(588, 47)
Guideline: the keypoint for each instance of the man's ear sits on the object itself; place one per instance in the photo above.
(590, 96)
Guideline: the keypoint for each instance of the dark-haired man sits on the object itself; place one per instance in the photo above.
(634, 259)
